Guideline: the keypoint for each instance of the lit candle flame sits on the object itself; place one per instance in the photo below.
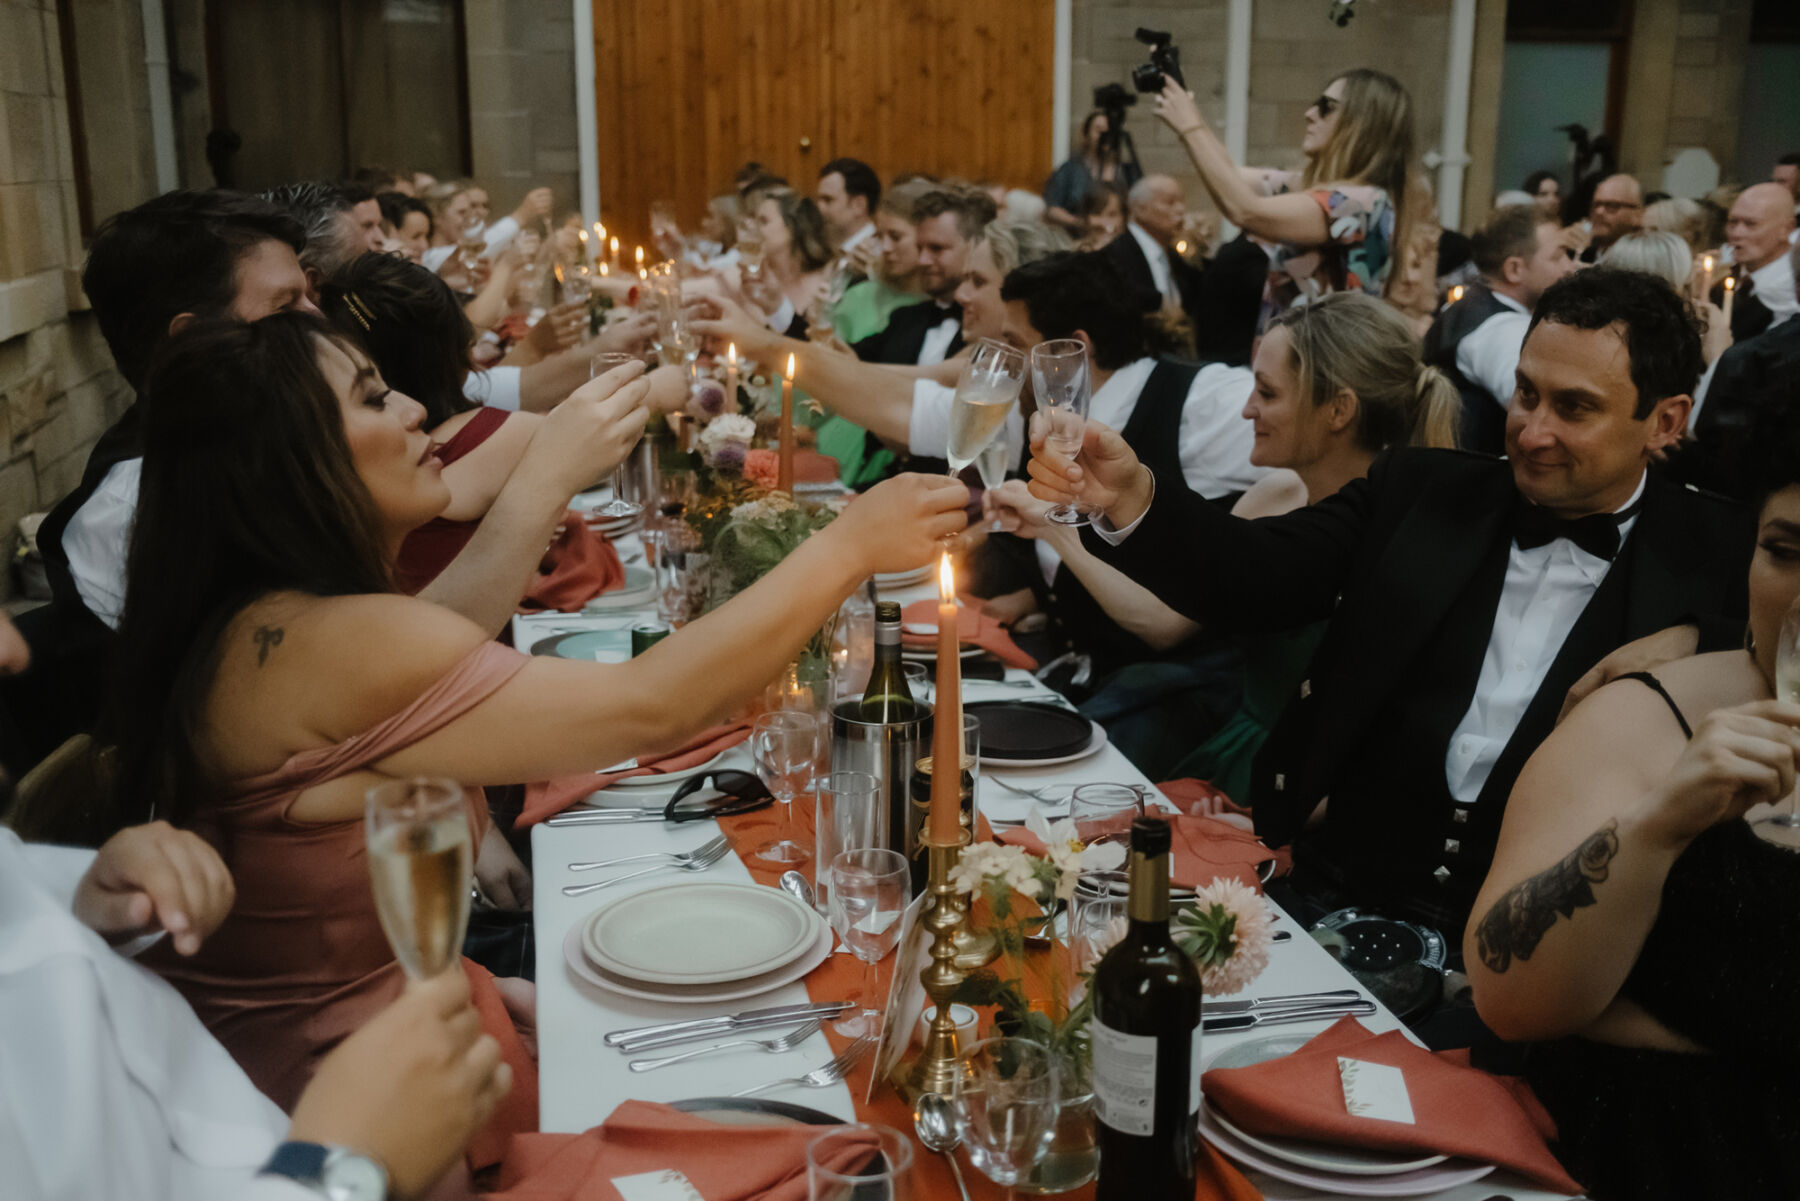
(584, 237)
(1456, 293)
(1730, 283)
(600, 232)
(1706, 260)
(640, 256)
(643, 274)
(790, 370)
(1181, 248)
(613, 244)
(557, 271)
(946, 579)
(731, 353)
(603, 269)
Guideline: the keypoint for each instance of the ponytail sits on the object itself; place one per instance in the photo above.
(1437, 409)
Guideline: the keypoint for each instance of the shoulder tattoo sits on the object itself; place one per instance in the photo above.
(267, 638)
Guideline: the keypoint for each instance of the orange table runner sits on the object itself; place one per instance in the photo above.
(840, 978)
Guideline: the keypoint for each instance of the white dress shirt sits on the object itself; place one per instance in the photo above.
(109, 1085)
(1214, 442)
(936, 347)
(928, 425)
(497, 387)
(1489, 356)
(497, 235)
(1158, 259)
(97, 538)
(1774, 283)
(434, 257)
(855, 239)
(1546, 589)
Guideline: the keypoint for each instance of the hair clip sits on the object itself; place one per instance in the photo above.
(359, 310)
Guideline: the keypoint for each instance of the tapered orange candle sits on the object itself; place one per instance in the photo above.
(1730, 294)
(784, 480)
(944, 822)
(613, 245)
(599, 240)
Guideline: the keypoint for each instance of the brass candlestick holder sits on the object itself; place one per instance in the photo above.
(938, 1067)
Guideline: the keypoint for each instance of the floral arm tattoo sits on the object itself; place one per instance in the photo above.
(1518, 921)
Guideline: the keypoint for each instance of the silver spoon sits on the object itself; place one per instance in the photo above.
(936, 1128)
(794, 883)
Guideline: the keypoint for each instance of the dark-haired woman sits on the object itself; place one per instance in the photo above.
(1635, 928)
(270, 673)
(1545, 191)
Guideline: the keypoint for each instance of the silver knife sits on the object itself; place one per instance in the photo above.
(1347, 996)
(738, 1021)
(604, 817)
(1248, 1021)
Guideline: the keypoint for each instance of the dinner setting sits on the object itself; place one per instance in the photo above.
(810, 645)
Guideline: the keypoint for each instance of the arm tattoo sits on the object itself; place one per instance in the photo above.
(1518, 921)
(267, 639)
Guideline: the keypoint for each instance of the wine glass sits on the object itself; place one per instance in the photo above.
(870, 889)
(1094, 806)
(750, 246)
(838, 1167)
(984, 398)
(618, 506)
(420, 862)
(1005, 1106)
(785, 745)
(1784, 828)
(1060, 382)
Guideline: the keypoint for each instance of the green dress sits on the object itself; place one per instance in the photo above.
(865, 308)
(1273, 668)
(863, 311)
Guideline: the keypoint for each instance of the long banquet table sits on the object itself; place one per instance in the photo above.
(581, 1079)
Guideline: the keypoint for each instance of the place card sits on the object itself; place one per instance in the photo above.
(666, 1185)
(906, 995)
(1375, 1090)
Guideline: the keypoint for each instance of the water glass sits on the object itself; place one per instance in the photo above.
(1095, 808)
(848, 819)
(420, 863)
(618, 506)
(1005, 1106)
(870, 890)
(785, 746)
(683, 573)
(836, 1171)
(1060, 382)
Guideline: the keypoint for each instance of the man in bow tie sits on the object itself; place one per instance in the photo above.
(1465, 596)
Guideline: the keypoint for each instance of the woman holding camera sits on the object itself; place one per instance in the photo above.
(1337, 225)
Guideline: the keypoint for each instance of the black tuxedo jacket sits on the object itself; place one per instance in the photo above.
(1128, 256)
(1750, 378)
(904, 336)
(1749, 315)
(1390, 560)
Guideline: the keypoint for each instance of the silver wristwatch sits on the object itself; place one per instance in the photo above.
(334, 1173)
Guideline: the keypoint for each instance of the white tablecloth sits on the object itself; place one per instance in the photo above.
(581, 1079)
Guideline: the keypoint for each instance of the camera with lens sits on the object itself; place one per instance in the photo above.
(1165, 59)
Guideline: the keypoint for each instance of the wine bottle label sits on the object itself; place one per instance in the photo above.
(1124, 1079)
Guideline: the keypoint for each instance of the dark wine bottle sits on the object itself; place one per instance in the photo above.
(887, 698)
(1146, 1038)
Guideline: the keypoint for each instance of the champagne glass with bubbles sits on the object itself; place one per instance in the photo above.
(618, 506)
(1784, 828)
(420, 863)
(985, 396)
(1061, 383)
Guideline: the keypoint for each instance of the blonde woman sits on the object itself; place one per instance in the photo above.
(1667, 256)
(1336, 383)
(1335, 225)
(1681, 216)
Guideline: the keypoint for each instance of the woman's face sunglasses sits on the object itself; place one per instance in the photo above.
(1326, 105)
(736, 792)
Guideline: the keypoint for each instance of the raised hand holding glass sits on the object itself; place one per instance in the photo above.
(1061, 383)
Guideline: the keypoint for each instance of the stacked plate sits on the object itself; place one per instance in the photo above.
(698, 943)
(1345, 1171)
(613, 528)
(639, 589)
(904, 579)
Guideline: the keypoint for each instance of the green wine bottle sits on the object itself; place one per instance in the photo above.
(887, 698)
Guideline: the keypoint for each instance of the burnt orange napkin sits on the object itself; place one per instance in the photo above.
(973, 627)
(1202, 849)
(547, 798)
(723, 1162)
(1457, 1109)
(579, 565)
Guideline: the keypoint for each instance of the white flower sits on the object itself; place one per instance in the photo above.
(1068, 854)
(984, 860)
(1230, 929)
(763, 508)
(728, 427)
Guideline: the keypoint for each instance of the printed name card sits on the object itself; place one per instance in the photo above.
(669, 1185)
(1375, 1090)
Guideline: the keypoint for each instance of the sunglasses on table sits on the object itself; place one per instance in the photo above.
(737, 792)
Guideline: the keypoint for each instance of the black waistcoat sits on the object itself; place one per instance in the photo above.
(124, 441)
(1483, 423)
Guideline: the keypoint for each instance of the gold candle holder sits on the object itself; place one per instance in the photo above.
(938, 1067)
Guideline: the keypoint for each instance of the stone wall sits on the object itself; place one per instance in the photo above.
(522, 99)
(1710, 40)
(58, 390)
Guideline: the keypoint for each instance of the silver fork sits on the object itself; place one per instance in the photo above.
(774, 1046)
(1033, 793)
(699, 852)
(831, 1073)
(692, 865)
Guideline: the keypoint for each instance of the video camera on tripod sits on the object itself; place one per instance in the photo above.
(1112, 98)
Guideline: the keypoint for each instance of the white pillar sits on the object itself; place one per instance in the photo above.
(162, 106)
(587, 124)
(1454, 157)
(1062, 60)
(1237, 80)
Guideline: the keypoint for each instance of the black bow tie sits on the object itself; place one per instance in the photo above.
(1597, 533)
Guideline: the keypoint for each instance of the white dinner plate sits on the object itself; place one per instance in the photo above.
(902, 579)
(1449, 1174)
(699, 933)
(639, 587)
(1092, 748)
(652, 779)
(921, 655)
(693, 994)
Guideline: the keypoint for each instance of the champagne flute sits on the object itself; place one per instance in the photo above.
(618, 506)
(1060, 382)
(984, 398)
(992, 464)
(420, 863)
(750, 247)
(1005, 1105)
(1784, 828)
(785, 745)
(870, 889)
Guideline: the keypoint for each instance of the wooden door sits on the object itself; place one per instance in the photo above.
(689, 90)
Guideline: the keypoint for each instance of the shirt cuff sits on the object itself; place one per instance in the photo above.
(781, 318)
(1113, 536)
